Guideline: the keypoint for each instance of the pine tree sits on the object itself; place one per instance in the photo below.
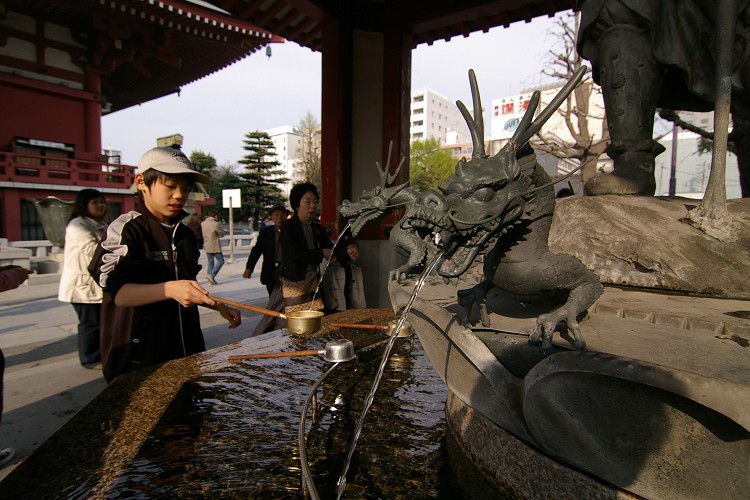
(262, 174)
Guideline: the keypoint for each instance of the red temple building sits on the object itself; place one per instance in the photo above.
(63, 64)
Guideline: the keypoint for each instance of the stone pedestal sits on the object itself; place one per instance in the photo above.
(656, 405)
(11, 256)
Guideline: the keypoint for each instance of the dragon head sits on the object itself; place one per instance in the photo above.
(482, 202)
(371, 205)
(487, 195)
(476, 205)
(377, 201)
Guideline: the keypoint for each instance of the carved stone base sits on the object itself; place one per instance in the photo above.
(515, 469)
(655, 405)
(644, 242)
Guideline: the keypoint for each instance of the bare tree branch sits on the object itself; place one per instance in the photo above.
(580, 143)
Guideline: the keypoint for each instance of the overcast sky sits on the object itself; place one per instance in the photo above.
(258, 93)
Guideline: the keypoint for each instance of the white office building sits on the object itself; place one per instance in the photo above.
(434, 115)
(288, 144)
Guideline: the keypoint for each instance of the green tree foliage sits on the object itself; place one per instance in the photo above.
(205, 163)
(225, 176)
(428, 164)
(262, 175)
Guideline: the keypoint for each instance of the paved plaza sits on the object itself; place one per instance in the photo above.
(44, 384)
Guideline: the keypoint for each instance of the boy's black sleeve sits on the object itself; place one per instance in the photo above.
(118, 260)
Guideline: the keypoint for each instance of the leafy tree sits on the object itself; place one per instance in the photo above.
(205, 163)
(309, 152)
(578, 141)
(262, 174)
(428, 164)
(225, 176)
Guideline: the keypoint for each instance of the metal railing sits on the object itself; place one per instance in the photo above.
(38, 169)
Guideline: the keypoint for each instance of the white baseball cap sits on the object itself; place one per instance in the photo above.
(170, 161)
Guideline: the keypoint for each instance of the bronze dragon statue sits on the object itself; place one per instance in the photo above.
(499, 208)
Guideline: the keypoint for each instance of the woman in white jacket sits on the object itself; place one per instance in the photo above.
(86, 228)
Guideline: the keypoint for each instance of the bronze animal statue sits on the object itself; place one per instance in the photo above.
(499, 208)
(661, 53)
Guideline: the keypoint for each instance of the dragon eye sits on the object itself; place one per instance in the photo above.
(483, 194)
(455, 187)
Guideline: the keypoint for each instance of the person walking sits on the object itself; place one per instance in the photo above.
(85, 230)
(269, 247)
(212, 232)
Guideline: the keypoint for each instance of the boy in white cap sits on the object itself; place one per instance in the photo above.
(147, 266)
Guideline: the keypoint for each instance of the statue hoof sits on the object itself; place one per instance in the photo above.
(637, 183)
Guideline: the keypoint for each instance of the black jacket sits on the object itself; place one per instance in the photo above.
(265, 246)
(139, 249)
(295, 256)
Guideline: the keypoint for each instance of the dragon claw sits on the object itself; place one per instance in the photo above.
(547, 324)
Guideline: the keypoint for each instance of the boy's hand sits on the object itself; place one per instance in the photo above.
(230, 314)
(188, 293)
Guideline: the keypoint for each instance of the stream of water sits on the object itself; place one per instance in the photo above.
(341, 483)
(323, 273)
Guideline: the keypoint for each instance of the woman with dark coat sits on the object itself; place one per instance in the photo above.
(304, 245)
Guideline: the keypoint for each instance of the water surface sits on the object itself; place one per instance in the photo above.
(233, 433)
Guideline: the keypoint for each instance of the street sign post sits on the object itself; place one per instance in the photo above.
(231, 198)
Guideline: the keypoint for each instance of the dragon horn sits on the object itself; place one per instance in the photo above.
(527, 116)
(385, 178)
(392, 177)
(536, 125)
(475, 123)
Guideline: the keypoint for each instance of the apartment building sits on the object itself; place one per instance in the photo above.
(434, 115)
(288, 144)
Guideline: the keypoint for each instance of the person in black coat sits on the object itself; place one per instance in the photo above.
(267, 245)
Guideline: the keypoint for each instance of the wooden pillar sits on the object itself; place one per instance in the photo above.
(396, 106)
(11, 210)
(365, 105)
(336, 119)
(93, 112)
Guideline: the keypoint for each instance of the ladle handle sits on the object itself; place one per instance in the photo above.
(261, 310)
(262, 355)
(357, 325)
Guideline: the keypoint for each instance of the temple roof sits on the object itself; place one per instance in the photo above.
(428, 20)
(145, 49)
